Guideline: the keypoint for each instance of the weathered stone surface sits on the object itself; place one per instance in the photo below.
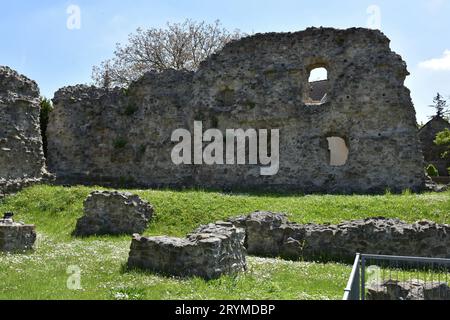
(432, 152)
(271, 234)
(16, 237)
(209, 252)
(412, 290)
(117, 137)
(114, 213)
(259, 82)
(21, 155)
(432, 186)
(12, 186)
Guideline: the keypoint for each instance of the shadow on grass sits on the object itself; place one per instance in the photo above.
(274, 191)
(126, 269)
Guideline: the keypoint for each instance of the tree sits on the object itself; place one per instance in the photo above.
(46, 107)
(443, 139)
(440, 104)
(180, 46)
(106, 76)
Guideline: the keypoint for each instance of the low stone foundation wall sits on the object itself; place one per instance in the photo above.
(8, 187)
(208, 252)
(16, 237)
(412, 290)
(271, 234)
(113, 213)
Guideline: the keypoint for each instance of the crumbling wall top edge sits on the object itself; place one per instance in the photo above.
(16, 86)
(84, 92)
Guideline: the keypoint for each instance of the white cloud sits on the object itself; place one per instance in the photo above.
(438, 64)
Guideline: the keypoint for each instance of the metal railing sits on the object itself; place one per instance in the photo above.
(376, 272)
(352, 292)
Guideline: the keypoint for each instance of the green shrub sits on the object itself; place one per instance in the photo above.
(432, 171)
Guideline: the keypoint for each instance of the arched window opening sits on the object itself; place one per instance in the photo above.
(317, 87)
(338, 151)
(318, 74)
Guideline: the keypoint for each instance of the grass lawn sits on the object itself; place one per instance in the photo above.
(55, 210)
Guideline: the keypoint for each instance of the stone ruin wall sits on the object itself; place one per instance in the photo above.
(432, 152)
(209, 252)
(258, 82)
(261, 82)
(412, 290)
(124, 136)
(16, 237)
(113, 213)
(368, 106)
(221, 248)
(273, 235)
(21, 154)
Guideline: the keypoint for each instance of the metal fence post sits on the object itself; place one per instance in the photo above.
(352, 290)
(357, 294)
(363, 277)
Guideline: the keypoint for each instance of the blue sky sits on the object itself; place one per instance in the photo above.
(35, 39)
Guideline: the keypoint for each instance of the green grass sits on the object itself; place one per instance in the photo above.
(55, 210)
(43, 275)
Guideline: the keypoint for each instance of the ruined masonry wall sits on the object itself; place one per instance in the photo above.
(272, 235)
(209, 252)
(258, 82)
(21, 154)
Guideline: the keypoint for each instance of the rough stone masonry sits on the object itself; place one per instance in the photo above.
(259, 82)
(411, 290)
(21, 154)
(16, 237)
(113, 213)
(272, 235)
(209, 252)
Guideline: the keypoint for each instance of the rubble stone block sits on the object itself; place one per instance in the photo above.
(114, 213)
(16, 237)
(209, 252)
(412, 290)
